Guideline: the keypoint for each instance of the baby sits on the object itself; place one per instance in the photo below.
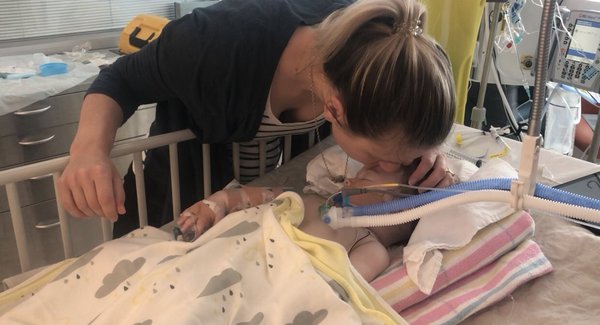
(366, 247)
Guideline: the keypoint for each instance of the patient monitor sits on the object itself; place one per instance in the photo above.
(576, 59)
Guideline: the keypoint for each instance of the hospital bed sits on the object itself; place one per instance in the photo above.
(555, 297)
(567, 295)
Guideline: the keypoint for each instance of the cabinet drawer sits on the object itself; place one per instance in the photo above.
(44, 244)
(55, 141)
(49, 112)
(30, 191)
(37, 145)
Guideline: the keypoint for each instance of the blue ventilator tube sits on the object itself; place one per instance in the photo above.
(541, 191)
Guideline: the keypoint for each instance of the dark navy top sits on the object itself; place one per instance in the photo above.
(209, 71)
(213, 67)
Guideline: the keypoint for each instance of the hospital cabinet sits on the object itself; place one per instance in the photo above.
(34, 133)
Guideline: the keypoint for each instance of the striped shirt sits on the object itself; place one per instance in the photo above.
(271, 131)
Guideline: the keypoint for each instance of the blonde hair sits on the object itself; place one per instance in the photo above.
(393, 79)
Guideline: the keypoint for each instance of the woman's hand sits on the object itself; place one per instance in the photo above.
(91, 186)
(432, 171)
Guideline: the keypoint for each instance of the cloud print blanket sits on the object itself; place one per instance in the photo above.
(254, 267)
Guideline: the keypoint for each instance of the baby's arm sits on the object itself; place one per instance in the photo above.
(368, 256)
(204, 214)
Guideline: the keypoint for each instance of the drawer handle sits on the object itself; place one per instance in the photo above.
(47, 224)
(35, 178)
(35, 142)
(33, 111)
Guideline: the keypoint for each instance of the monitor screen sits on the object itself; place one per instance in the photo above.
(589, 186)
(586, 37)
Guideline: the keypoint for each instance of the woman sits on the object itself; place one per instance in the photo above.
(365, 67)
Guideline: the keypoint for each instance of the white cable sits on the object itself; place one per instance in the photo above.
(507, 109)
(584, 154)
(564, 29)
(540, 4)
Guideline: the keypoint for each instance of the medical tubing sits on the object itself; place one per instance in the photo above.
(431, 196)
(529, 202)
(565, 209)
(558, 195)
(541, 191)
(414, 214)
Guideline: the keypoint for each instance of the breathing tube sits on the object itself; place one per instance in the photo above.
(494, 189)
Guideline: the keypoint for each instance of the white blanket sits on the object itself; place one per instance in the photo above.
(453, 228)
(253, 267)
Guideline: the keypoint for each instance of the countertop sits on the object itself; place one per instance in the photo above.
(16, 94)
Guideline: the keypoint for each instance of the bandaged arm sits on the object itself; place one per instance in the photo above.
(204, 214)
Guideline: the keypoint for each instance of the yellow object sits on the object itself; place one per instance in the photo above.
(140, 31)
(500, 154)
(454, 24)
(331, 259)
(459, 139)
(15, 295)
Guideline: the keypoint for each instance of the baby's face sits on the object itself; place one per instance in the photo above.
(375, 176)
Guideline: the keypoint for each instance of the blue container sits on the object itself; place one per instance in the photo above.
(52, 68)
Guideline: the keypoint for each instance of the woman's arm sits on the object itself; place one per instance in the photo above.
(90, 184)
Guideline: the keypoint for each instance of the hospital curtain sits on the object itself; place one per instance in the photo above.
(455, 24)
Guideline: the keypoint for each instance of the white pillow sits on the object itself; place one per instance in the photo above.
(318, 178)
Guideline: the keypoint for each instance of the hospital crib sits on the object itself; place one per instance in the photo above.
(11, 177)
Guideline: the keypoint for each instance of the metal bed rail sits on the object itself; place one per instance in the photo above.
(11, 177)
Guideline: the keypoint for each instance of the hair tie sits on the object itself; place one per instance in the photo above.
(412, 29)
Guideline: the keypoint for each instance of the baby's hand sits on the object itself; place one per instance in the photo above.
(198, 218)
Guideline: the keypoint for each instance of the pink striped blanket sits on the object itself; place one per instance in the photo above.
(482, 288)
(496, 261)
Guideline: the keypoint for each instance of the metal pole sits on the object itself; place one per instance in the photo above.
(478, 112)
